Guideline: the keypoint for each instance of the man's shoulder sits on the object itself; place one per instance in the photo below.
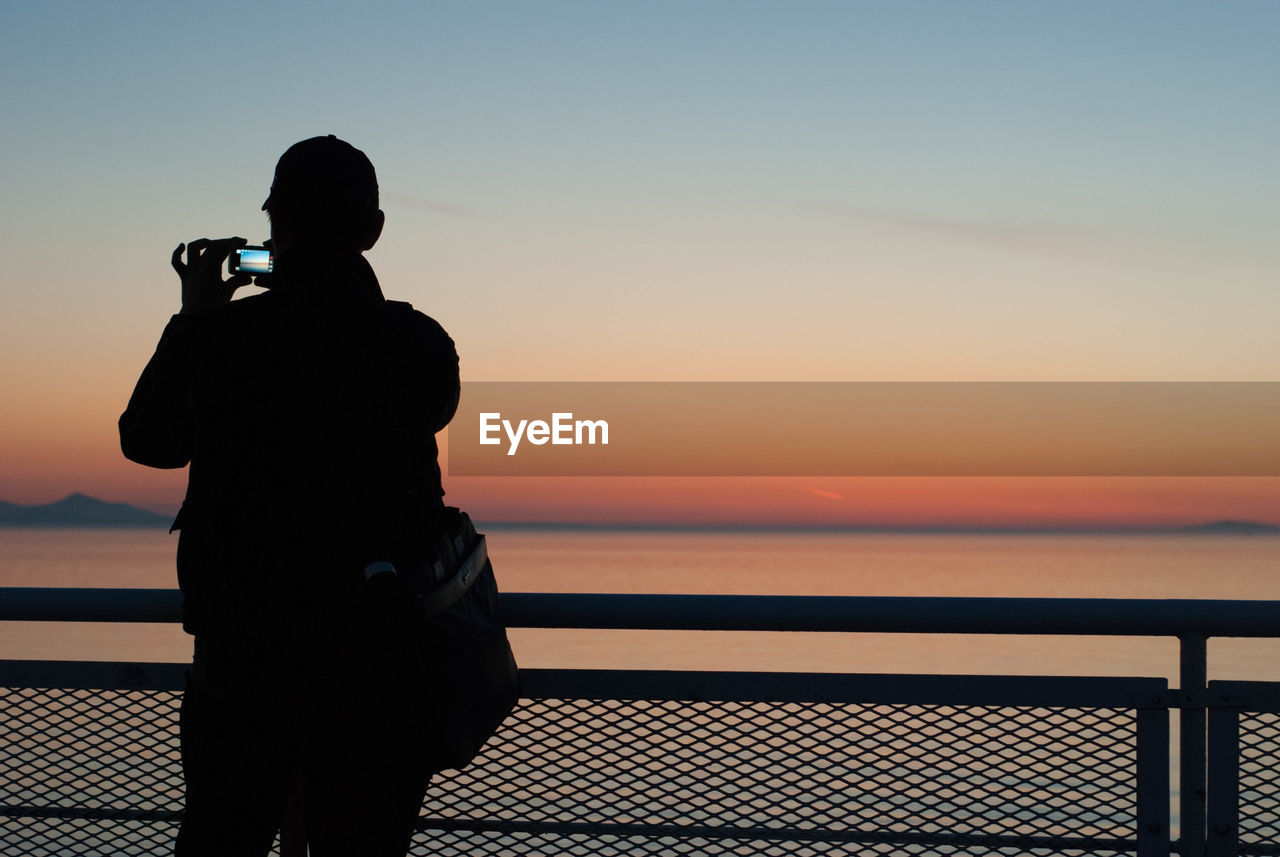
(417, 323)
(406, 311)
(239, 311)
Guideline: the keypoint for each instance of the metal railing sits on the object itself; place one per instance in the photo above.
(640, 762)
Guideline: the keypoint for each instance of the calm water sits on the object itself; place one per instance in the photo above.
(1218, 567)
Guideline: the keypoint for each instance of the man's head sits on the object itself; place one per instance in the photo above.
(324, 197)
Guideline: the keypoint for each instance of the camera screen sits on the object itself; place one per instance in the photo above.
(254, 261)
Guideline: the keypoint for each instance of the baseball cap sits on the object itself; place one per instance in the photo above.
(324, 171)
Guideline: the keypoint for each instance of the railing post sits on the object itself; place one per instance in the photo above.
(1153, 781)
(1194, 652)
(1224, 781)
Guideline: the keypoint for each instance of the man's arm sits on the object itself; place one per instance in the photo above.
(155, 428)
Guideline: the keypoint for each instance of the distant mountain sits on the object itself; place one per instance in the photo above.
(79, 510)
(1234, 528)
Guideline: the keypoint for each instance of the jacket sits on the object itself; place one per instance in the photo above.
(308, 416)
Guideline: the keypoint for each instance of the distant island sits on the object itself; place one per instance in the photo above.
(79, 510)
(1234, 528)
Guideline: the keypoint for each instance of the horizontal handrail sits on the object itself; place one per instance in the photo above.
(910, 615)
(694, 685)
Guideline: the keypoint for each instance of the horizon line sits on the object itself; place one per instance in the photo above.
(1222, 527)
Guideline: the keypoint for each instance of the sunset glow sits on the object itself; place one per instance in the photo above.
(789, 192)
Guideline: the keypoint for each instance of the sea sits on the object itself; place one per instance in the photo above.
(1201, 566)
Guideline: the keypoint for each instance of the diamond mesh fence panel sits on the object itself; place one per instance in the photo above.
(572, 776)
(93, 750)
(795, 779)
(1259, 789)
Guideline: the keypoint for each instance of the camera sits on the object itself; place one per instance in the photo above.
(251, 260)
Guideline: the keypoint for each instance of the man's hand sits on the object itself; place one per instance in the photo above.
(202, 283)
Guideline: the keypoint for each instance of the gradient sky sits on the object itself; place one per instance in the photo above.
(939, 191)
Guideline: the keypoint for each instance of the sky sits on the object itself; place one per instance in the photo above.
(727, 191)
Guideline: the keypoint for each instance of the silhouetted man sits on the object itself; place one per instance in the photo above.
(308, 415)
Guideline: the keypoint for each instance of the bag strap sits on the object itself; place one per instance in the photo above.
(446, 594)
